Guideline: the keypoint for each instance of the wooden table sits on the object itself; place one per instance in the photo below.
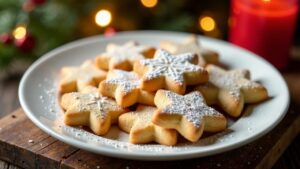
(290, 158)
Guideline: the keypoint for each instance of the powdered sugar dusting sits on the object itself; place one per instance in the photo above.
(55, 121)
(130, 51)
(127, 80)
(192, 106)
(173, 67)
(233, 80)
(93, 103)
(83, 75)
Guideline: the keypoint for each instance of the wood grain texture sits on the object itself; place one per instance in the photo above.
(35, 149)
(9, 94)
(3, 165)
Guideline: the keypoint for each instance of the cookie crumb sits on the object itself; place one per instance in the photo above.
(30, 141)
(98, 167)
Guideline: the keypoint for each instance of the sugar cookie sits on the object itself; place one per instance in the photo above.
(232, 89)
(192, 45)
(97, 112)
(124, 87)
(170, 72)
(141, 130)
(76, 78)
(90, 90)
(188, 114)
(123, 56)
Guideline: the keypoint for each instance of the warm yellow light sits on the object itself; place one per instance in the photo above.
(103, 18)
(149, 3)
(207, 23)
(19, 32)
(267, 0)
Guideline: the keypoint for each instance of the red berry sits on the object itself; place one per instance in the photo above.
(26, 44)
(37, 2)
(5, 38)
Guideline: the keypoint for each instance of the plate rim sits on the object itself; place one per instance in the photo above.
(139, 155)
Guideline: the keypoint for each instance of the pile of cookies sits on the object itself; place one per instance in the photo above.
(154, 94)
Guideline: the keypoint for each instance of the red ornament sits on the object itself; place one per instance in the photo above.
(25, 44)
(5, 38)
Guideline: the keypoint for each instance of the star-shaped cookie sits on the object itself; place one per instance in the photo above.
(97, 112)
(188, 114)
(192, 45)
(170, 72)
(123, 56)
(125, 88)
(232, 89)
(141, 130)
(76, 78)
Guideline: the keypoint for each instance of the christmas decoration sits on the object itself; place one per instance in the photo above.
(52, 23)
(29, 5)
(26, 43)
(37, 2)
(5, 38)
(37, 26)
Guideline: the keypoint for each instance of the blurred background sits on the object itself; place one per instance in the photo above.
(30, 28)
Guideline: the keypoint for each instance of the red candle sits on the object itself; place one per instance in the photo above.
(265, 27)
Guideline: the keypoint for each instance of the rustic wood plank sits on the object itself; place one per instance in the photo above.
(290, 158)
(53, 154)
(13, 167)
(45, 151)
(9, 120)
(248, 156)
(3, 165)
(10, 94)
(24, 148)
(277, 150)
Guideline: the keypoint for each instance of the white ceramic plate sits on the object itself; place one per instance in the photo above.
(38, 96)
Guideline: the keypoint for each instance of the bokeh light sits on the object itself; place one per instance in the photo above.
(207, 23)
(103, 17)
(19, 32)
(149, 3)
